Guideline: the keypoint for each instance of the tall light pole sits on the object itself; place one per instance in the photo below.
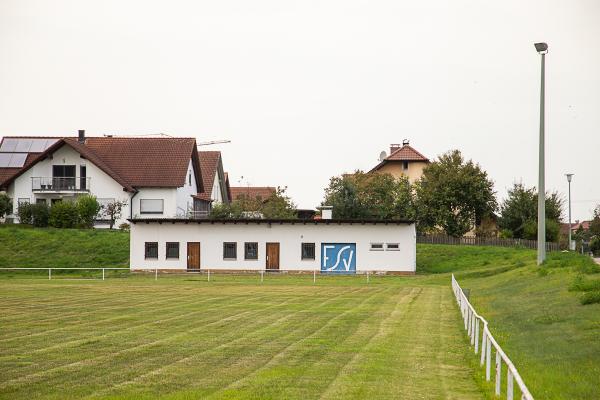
(569, 177)
(542, 48)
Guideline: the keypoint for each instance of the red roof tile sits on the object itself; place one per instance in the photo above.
(252, 192)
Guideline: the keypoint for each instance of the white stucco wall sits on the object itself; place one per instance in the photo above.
(216, 195)
(184, 201)
(290, 237)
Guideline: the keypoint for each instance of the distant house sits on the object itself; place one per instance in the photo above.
(575, 226)
(252, 192)
(157, 177)
(403, 160)
(215, 182)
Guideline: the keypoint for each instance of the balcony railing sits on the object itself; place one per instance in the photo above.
(198, 214)
(60, 184)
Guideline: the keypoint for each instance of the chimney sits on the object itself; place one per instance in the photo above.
(81, 138)
(394, 147)
(326, 212)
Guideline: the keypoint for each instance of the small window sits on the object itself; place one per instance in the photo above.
(23, 200)
(308, 251)
(251, 251)
(172, 250)
(40, 201)
(151, 250)
(229, 250)
(377, 246)
(151, 206)
(393, 246)
(190, 179)
(405, 165)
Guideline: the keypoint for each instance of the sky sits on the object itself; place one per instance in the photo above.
(306, 90)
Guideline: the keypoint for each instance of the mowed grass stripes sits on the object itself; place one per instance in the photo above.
(183, 338)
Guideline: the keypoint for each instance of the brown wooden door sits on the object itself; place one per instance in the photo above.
(272, 256)
(193, 256)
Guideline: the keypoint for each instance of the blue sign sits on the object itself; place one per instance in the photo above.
(339, 258)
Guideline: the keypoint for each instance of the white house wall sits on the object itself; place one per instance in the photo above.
(101, 184)
(290, 237)
(184, 194)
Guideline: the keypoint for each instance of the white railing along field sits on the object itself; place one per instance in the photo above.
(207, 272)
(473, 325)
(50, 269)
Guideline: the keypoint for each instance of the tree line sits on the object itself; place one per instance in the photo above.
(453, 196)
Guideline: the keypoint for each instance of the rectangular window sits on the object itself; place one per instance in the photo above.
(377, 246)
(251, 251)
(172, 250)
(308, 251)
(151, 250)
(151, 206)
(405, 165)
(40, 201)
(229, 250)
(393, 246)
(23, 200)
(190, 179)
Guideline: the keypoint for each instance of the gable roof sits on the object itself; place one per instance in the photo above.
(209, 164)
(132, 162)
(404, 153)
(252, 192)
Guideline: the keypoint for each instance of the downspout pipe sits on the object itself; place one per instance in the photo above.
(131, 203)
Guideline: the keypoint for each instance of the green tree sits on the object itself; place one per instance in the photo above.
(88, 209)
(40, 212)
(277, 206)
(454, 195)
(595, 224)
(5, 205)
(519, 210)
(366, 195)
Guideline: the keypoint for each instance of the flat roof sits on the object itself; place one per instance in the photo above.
(259, 221)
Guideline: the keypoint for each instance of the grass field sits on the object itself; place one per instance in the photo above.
(184, 338)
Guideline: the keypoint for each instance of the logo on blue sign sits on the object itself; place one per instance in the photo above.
(338, 258)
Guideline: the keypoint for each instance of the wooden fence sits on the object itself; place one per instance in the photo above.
(480, 241)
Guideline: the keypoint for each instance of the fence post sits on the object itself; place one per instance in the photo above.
(314, 276)
(483, 348)
(509, 385)
(262, 276)
(498, 372)
(367, 276)
(208, 276)
(49, 273)
(476, 336)
(155, 274)
(102, 273)
(473, 319)
(488, 360)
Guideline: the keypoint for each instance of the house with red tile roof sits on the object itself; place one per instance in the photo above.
(252, 192)
(403, 160)
(155, 176)
(215, 182)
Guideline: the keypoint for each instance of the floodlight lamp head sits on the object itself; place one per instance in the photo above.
(541, 48)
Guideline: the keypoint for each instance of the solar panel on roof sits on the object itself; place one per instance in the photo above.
(8, 145)
(17, 160)
(23, 145)
(38, 145)
(5, 159)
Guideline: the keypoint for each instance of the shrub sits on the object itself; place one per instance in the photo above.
(124, 226)
(5, 205)
(24, 211)
(87, 208)
(595, 246)
(590, 298)
(63, 214)
(506, 234)
(39, 214)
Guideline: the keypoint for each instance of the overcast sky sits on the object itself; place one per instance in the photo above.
(310, 89)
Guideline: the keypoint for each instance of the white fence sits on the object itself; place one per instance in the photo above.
(66, 269)
(474, 324)
(207, 272)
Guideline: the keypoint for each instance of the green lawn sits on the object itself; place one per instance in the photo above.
(185, 338)
(182, 337)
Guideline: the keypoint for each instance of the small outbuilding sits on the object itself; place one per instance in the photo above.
(325, 245)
